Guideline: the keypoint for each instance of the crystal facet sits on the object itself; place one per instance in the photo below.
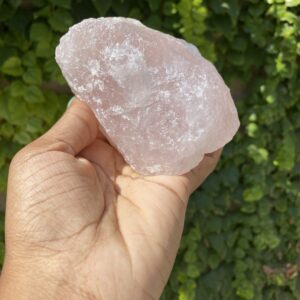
(159, 102)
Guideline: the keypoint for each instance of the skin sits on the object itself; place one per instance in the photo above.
(81, 224)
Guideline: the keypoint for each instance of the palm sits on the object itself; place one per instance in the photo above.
(109, 232)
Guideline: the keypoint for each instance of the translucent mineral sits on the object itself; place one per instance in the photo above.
(158, 101)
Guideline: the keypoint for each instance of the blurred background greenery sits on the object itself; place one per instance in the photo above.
(242, 233)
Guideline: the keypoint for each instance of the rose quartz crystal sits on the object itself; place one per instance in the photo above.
(159, 102)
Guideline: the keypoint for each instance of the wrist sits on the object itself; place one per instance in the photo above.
(18, 282)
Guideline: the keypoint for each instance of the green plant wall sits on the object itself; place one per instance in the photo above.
(242, 233)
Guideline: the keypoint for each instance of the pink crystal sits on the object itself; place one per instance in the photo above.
(159, 102)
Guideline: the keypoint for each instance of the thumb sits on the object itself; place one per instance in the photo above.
(75, 130)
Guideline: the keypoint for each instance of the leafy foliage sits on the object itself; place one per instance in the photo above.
(241, 238)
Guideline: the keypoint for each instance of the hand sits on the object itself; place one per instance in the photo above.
(81, 224)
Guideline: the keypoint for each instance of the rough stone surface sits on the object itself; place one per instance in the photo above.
(157, 99)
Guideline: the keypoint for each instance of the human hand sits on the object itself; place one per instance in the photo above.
(81, 224)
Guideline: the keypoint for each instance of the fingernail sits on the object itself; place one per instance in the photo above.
(70, 102)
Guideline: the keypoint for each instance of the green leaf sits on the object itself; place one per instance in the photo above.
(12, 66)
(62, 3)
(239, 253)
(17, 111)
(43, 50)
(217, 243)
(224, 26)
(195, 234)
(169, 8)
(2, 223)
(259, 155)
(121, 7)
(34, 125)
(40, 32)
(245, 290)
(44, 12)
(17, 40)
(7, 131)
(17, 88)
(286, 153)
(233, 10)
(258, 9)
(280, 295)
(29, 59)
(3, 177)
(230, 7)
(240, 266)
(193, 271)
(280, 63)
(236, 59)
(19, 23)
(135, 13)
(33, 75)
(253, 194)
(252, 129)
(248, 208)
(14, 3)
(214, 224)
(48, 110)
(102, 6)
(22, 138)
(54, 71)
(190, 257)
(6, 53)
(240, 44)
(292, 3)
(1, 252)
(154, 21)
(184, 8)
(213, 260)
(60, 20)
(6, 12)
(154, 4)
(3, 106)
(273, 241)
(231, 238)
(33, 95)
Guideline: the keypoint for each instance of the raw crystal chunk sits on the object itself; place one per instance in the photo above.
(159, 102)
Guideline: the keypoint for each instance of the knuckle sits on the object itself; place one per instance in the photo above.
(21, 156)
(18, 157)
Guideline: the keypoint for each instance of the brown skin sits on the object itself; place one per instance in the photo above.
(81, 224)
